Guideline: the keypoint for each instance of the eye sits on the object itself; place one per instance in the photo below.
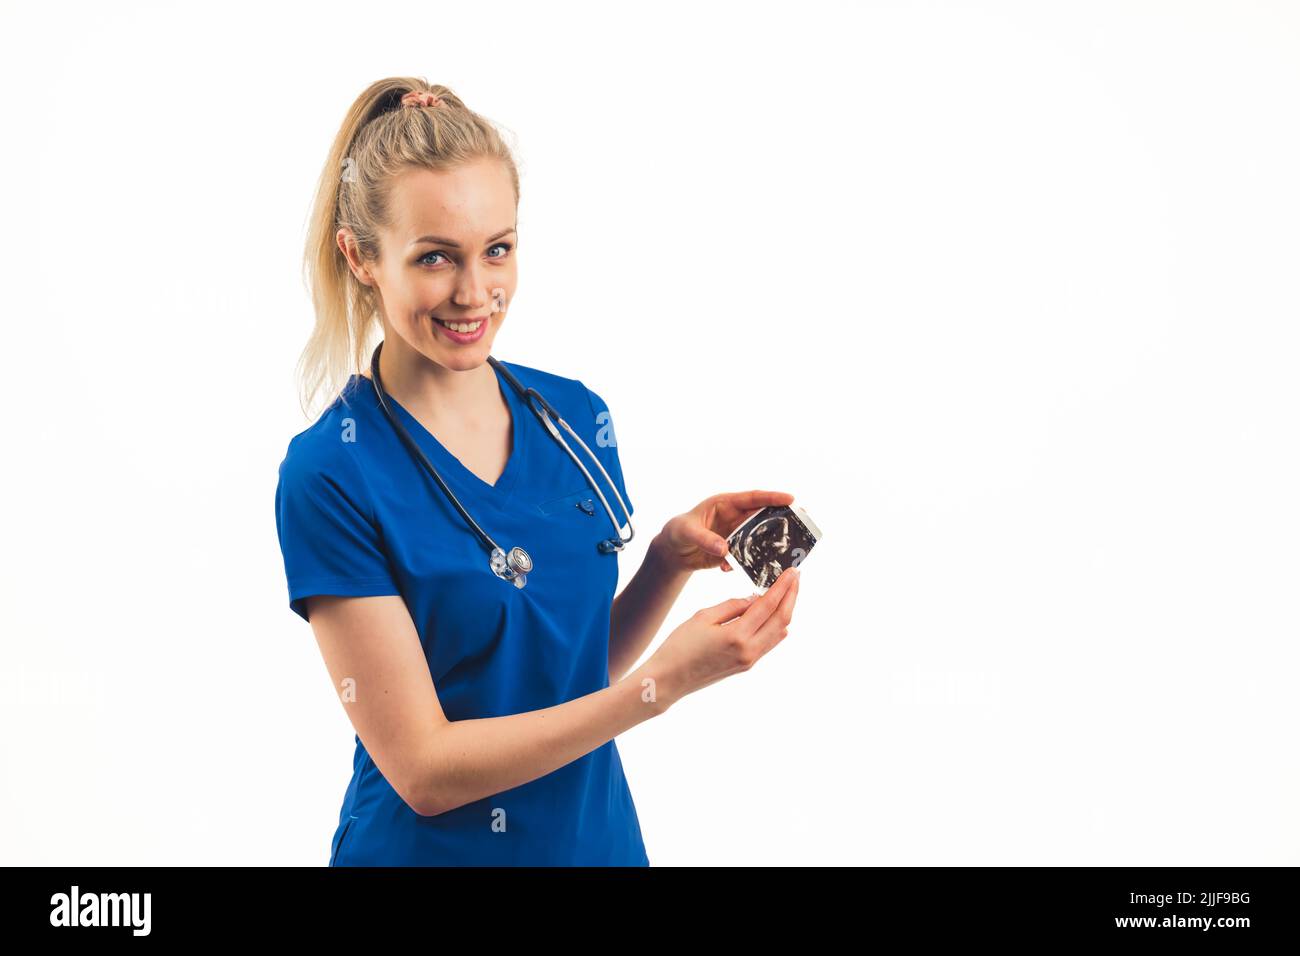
(425, 261)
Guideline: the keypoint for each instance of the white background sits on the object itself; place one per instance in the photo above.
(1004, 293)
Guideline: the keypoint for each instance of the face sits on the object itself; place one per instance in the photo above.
(449, 255)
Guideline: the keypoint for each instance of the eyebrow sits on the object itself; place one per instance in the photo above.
(456, 245)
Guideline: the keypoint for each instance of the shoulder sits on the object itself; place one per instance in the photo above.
(544, 381)
(571, 396)
(325, 451)
(578, 404)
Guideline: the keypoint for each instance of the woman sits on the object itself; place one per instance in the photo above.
(484, 712)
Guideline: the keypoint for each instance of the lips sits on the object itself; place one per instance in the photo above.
(462, 338)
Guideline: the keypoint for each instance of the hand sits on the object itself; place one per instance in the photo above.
(693, 541)
(722, 640)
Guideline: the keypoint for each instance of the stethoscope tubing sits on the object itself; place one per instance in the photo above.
(544, 413)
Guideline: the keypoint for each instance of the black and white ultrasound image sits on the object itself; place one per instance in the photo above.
(771, 541)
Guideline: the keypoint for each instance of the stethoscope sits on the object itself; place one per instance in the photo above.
(515, 564)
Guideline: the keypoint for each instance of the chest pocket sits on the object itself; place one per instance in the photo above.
(578, 503)
(568, 554)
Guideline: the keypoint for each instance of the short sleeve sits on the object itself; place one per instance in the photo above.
(330, 543)
(606, 447)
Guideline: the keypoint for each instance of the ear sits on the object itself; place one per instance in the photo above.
(348, 246)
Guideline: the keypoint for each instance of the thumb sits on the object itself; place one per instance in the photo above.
(726, 610)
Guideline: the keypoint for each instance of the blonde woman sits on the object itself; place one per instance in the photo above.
(485, 711)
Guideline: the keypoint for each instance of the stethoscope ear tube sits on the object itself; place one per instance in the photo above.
(415, 449)
(544, 415)
(516, 564)
(609, 545)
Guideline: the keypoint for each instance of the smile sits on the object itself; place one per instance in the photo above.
(461, 326)
(462, 333)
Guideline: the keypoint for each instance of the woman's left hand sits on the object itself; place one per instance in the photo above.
(694, 540)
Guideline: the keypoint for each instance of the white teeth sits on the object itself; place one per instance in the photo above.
(461, 326)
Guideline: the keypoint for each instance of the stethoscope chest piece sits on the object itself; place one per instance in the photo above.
(513, 567)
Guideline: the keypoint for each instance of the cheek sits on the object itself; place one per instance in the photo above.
(504, 277)
(411, 326)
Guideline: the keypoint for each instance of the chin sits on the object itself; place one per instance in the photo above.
(460, 358)
(464, 363)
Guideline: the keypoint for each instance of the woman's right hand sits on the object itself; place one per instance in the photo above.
(716, 642)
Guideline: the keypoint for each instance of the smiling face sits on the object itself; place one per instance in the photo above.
(449, 255)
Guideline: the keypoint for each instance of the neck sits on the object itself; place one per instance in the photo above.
(433, 392)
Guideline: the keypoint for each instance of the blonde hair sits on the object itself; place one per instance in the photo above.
(379, 138)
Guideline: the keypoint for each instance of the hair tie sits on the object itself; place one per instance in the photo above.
(418, 98)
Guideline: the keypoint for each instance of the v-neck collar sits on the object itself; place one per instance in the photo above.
(451, 467)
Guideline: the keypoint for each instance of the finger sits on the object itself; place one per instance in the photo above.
(726, 610)
(762, 608)
(773, 630)
(785, 610)
(748, 500)
(706, 540)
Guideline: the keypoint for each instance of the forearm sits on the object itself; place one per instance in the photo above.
(641, 607)
(476, 758)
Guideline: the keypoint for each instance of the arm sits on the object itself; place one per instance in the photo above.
(640, 608)
(435, 764)
(689, 542)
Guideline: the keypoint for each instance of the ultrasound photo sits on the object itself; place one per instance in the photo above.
(771, 540)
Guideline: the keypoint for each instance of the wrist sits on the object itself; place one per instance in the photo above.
(654, 687)
(664, 559)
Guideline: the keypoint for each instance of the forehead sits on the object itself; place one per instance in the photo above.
(468, 202)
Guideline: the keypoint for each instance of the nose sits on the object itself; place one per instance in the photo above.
(471, 290)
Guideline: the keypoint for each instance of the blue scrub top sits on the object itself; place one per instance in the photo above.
(358, 515)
